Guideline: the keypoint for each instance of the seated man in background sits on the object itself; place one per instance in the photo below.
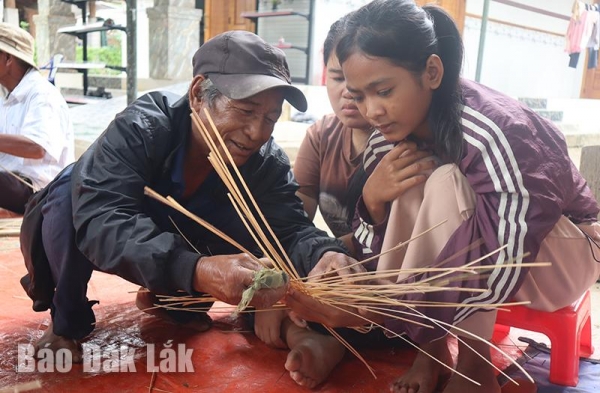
(36, 139)
(95, 216)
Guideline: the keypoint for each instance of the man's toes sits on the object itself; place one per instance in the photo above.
(293, 361)
(54, 343)
(404, 387)
(145, 300)
(302, 380)
(297, 377)
(398, 387)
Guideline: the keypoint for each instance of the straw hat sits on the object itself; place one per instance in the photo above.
(17, 42)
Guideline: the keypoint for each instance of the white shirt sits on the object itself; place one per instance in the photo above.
(35, 109)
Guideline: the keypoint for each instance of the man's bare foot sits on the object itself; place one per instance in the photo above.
(147, 302)
(54, 342)
(426, 374)
(312, 356)
(473, 366)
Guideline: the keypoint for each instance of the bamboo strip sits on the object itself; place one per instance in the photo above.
(351, 349)
(219, 164)
(171, 202)
(4, 169)
(249, 194)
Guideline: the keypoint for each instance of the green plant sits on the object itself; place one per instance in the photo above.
(25, 26)
(109, 55)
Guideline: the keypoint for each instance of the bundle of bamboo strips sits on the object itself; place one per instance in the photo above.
(341, 291)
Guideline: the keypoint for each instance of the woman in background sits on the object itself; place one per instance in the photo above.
(328, 164)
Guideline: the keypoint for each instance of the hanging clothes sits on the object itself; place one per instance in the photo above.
(583, 31)
(594, 42)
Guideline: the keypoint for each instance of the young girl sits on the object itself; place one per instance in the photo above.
(327, 167)
(329, 171)
(506, 180)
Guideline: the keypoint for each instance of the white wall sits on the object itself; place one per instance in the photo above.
(291, 29)
(326, 13)
(523, 62)
(143, 39)
(517, 61)
(520, 62)
(527, 18)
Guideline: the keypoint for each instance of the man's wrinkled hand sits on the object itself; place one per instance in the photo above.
(225, 277)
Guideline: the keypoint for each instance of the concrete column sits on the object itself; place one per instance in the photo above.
(174, 27)
(11, 15)
(93, 39)
(52, 15)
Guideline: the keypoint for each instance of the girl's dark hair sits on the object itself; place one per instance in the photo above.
(407, 35)
(334, 34)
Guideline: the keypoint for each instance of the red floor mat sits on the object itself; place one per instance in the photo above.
(224, 359)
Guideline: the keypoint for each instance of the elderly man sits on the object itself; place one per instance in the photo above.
(94, 215)
(36, 140)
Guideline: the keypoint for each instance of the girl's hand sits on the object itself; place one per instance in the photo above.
(400, 169)
(335, 264)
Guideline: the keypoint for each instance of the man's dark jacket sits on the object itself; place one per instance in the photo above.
(112, 227)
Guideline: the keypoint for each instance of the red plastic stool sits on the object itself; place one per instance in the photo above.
(569, 330)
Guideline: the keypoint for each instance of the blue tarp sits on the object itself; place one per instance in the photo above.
(539, 369)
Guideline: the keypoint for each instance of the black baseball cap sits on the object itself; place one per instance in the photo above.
(241, 64)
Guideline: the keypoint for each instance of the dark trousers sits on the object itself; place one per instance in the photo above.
(375, 339)
(14, 194)
(72, 314)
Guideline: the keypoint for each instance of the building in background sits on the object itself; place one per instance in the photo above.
(524, 42)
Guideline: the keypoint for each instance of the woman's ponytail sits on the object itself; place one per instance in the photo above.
(446, 107)
(407, 35)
